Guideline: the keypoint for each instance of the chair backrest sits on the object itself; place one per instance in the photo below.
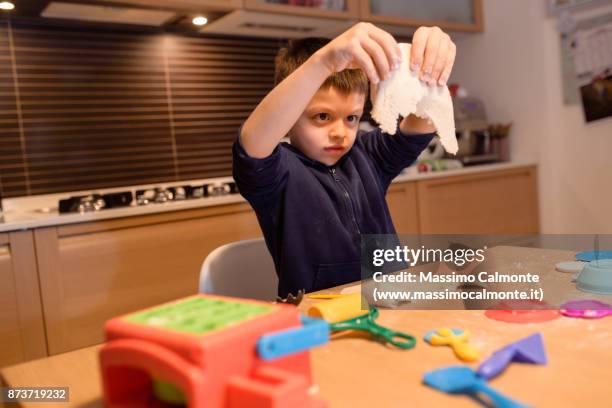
(240, 269)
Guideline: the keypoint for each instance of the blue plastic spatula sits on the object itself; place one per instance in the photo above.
(463, 380)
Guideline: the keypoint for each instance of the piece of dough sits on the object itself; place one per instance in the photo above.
(403, 93)
(570, 266)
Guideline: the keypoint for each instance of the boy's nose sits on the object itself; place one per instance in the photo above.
(337, 133)
(335, 136)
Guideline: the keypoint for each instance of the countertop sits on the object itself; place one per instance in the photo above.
(30, 212)
(352, 370)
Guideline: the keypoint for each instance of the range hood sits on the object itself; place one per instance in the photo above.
(259, 24)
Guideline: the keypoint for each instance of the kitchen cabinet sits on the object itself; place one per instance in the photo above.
(495, 202)
(328, 18)
(22, 335)
(458, 15)
(348, 9)
(80, 275)
(402, 202)
(93, 271)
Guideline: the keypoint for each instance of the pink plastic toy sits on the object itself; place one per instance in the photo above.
(586, 309)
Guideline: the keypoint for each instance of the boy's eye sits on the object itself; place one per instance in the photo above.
(322, 116)
(353, 118)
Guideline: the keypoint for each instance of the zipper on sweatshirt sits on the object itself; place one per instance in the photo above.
(350, 209)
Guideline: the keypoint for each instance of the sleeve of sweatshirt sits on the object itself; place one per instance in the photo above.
(393, 153)
(258, 180)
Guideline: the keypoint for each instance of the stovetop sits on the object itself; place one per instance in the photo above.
(143, 197)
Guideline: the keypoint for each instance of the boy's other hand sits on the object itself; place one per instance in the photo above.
(433, 55)
(363, 46)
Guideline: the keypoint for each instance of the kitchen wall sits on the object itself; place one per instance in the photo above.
(514, 66)
(83, 108)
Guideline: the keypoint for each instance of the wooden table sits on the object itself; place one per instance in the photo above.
(352, 371)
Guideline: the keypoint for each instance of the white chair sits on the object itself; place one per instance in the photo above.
(241, 269)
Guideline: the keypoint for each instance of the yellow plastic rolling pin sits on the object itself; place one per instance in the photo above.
(339, 308)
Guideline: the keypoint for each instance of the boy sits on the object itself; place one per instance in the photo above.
(316, 196)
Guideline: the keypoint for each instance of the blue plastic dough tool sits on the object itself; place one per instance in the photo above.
(588, 256)
(314, 332)
(463, 380)
(527, 350)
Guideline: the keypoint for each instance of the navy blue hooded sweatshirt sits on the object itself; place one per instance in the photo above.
(312, 215)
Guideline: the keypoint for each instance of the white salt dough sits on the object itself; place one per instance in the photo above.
(403, 93)
(570, 266)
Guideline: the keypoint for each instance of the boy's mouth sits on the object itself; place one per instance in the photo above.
(334, 149)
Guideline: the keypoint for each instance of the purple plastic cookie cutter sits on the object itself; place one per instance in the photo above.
(586, 309)
(527, 350)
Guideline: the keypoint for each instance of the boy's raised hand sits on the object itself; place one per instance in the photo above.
(376, 52)
(363, 46)
(433, 55)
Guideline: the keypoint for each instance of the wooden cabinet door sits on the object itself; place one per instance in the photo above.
(458, 15)
(348, 9)
(496, 202)
(94, 271)
(22, 335)
(402, 202)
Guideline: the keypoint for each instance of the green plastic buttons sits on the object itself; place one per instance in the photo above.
(199, 315)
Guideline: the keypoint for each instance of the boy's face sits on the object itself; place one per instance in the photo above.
(327, 128)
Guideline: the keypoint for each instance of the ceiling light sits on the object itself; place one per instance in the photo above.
(6, 5)
(199, 20)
